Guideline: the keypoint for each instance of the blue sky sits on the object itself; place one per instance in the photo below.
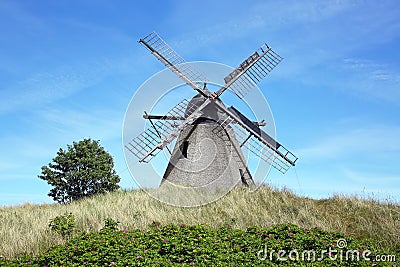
(68, 70)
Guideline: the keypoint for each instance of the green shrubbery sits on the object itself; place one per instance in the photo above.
(201, 245)
(63, 225)
(25, 228)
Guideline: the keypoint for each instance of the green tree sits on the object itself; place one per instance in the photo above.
(84, 169)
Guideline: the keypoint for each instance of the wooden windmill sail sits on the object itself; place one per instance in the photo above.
(210, 136)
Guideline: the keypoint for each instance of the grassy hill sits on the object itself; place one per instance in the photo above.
(25, 228)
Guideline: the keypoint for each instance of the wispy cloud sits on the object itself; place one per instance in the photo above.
(282, 13)
(374, 140)
(18, 15)
(222, 32)
(98, 123)
(46, 87)
(371, 79)
(323, 37)
(383, 180)
(271, 16)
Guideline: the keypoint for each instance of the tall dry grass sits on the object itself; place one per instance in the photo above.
(25, 228)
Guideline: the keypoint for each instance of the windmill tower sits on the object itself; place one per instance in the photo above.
(210, 136)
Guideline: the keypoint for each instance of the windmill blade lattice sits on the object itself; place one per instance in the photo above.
(261, 149)
(251, 71)
(153, 137)
(256, 140)
(173, 61)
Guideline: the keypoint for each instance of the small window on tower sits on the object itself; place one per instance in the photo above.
(184, 149)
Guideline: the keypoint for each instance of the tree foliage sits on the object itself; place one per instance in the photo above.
(84, 169)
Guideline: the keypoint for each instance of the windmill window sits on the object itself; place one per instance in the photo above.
(184, 149)
(242, 177)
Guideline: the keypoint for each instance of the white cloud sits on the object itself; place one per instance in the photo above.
(371, 79)
(326, 180)
(46, 87)
(273, 16)
(375, 140)
(16, 14)
(21, 148)
(383, 180)
(223, 32)
(24, 152)
(99, 123)
(295, 12)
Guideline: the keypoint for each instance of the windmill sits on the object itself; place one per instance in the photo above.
(209, 136)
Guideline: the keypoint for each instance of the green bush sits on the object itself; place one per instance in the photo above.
(201, 245)
(63, 225)
(110, 225)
